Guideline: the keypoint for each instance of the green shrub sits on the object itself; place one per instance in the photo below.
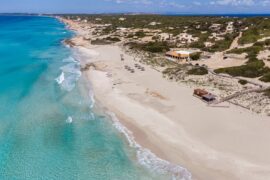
(266, 77)
(198, 71)
(251, 70)
(114, 39)
(130, 36)
(154, 47)
(243, 82)
(249, 50)
(198, 44)
(222, 45)
(140, 34)
(100, 42)
(250, 36)
(195, 56)
(155, 38)
(267, 93)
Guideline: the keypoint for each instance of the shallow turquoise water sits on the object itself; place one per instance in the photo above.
(37, 138)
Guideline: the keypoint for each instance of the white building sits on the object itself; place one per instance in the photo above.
(230, 27)
(122, 19)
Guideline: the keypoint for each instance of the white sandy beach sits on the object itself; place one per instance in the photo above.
(211, 142)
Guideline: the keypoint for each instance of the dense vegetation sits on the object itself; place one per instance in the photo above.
(195, 56)
(267, 93)
(104, 41)
(251, 69)
(199, 26)
(254, 67)
(243, 82)
(153, 47)
(198, 71)
(253, 50)
(257, 29)
(113, 39)
(100, 42)
(178, 23)
(266, 77)
(223, 45)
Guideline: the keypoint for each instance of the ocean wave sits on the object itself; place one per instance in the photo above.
(148, 159)
(92, 116)
(70, 82)
(71, 73)
(92, 99)
(70, 59)
(60, 78)
(73, 68)
(69, 120)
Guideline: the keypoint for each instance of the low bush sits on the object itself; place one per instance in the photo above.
(195, 56)
(198, 71)
(242, 81)
(154, 47)
(251, 70)
(266, 77)
(114, 39)
(251, 51)
(250, 36)
(267, 93)
(100, 42)
(140, 34)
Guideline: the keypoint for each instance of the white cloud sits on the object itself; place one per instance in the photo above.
(233, 2)
(266, 3)
(197, 3)
(161, 3)
(173, 4)
(132, 1)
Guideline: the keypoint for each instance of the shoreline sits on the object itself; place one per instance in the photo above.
(146, 158)
(173, 139)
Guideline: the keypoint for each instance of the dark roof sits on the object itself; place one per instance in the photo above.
(208, 96)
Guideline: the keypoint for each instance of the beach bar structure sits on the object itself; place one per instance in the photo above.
(179, 55)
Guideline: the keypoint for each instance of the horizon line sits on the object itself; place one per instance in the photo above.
(137, 13)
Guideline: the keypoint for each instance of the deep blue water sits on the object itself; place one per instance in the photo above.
(49, 130)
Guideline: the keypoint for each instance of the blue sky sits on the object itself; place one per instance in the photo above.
(147, 6)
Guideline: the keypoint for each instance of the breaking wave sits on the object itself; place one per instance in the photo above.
(69, 60)
(148, 159)
(70, 74)
(92, 99)
(61, 78)
(69, 120)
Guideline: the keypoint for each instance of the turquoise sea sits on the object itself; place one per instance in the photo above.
(48, 126)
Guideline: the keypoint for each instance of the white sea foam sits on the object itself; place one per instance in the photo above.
(70, 74)
(148, 159)
(69, 120)
(73, 68)
(92, 99)
(69, 59)
(92, 116)
(61, 78)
